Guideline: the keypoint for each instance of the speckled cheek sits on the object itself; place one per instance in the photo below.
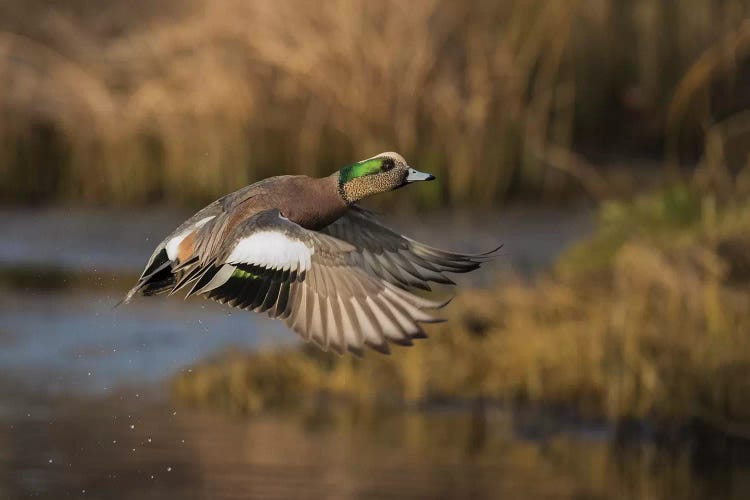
(365, 186)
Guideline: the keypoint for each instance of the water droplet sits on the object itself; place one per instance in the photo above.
(50, 460)
(169, 469)
(132, 426)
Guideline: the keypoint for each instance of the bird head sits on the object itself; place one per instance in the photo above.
(381, 173)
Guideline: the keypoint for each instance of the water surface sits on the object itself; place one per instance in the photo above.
(85, 409)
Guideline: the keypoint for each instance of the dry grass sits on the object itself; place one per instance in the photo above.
(185, 99)
(648, 319)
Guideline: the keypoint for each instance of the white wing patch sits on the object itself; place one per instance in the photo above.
(272, 250)
(173, 245)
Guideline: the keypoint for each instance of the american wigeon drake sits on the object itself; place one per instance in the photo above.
(301, 250)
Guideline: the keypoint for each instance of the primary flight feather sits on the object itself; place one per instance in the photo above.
(301, 250)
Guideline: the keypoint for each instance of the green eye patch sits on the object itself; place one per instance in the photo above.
(361, 169)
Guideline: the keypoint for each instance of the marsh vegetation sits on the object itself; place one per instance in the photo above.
(182, 100)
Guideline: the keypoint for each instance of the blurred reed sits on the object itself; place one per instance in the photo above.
(181, 100)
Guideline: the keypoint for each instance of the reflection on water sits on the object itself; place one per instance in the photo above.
(124, 448)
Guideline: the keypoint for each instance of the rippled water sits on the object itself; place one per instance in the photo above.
(85, 413)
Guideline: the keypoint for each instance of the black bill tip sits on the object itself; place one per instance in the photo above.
(417, 176)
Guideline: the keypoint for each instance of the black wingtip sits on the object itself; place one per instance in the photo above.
(382, 348)
(482, 258)
(419, 334)
(492, 253)
(403, 341)
(441, 305)
(358, 352)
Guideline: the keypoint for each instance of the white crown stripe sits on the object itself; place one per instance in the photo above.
(272, 250)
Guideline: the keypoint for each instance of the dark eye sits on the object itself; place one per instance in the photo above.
(387, 165)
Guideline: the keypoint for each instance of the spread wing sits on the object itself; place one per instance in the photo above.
(312, 281)
(395, 258)
(176, 255)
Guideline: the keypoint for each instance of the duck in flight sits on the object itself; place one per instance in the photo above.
(301, 250)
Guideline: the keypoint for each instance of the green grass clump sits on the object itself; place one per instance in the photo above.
(660, 218)
(649, 318)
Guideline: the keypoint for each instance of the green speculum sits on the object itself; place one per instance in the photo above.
(240, 273)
